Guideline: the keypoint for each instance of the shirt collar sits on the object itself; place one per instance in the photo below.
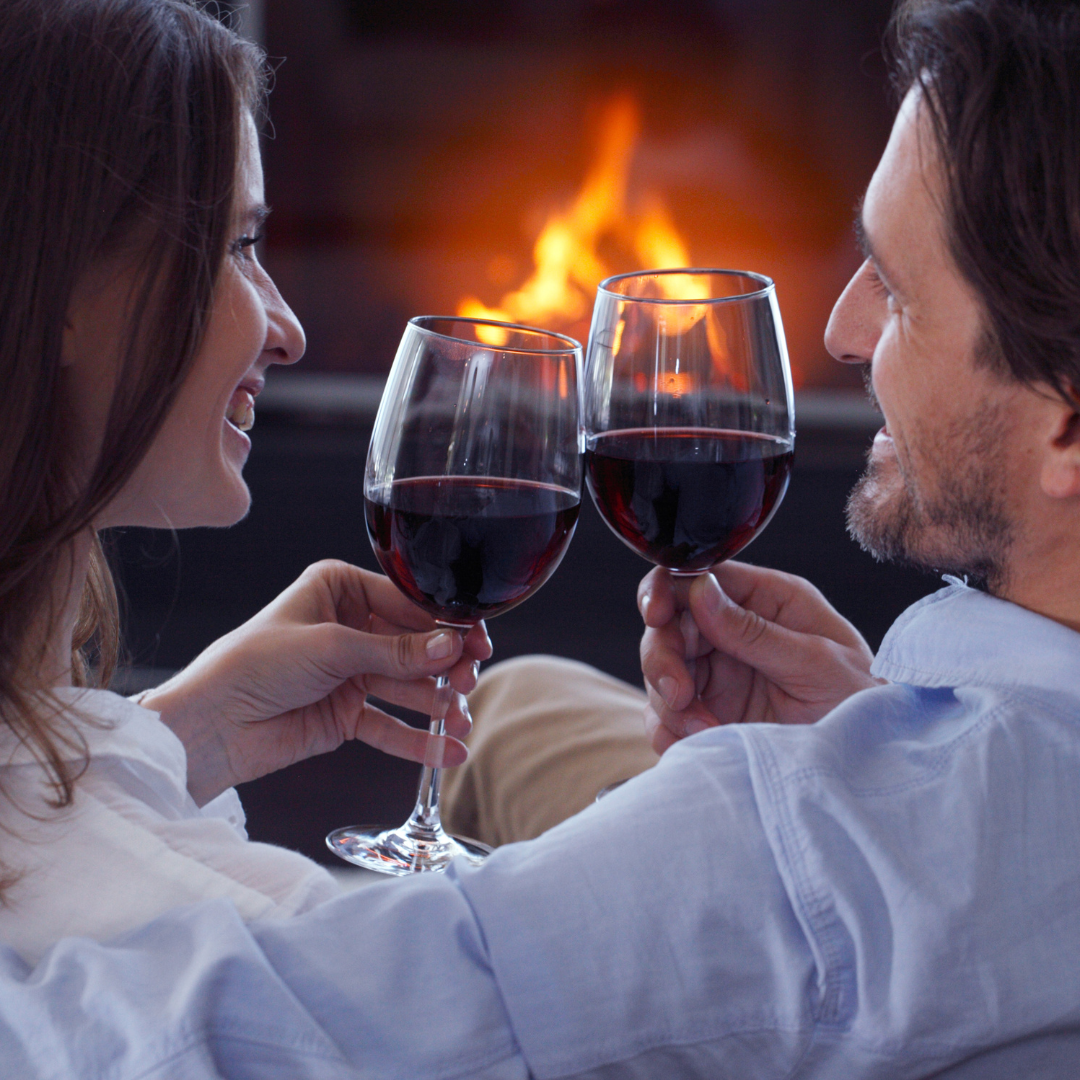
(960, 636)
(109, 725)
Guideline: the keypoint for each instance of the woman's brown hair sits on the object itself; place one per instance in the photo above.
(120, 129)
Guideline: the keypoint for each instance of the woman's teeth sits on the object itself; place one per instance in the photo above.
(241, 412)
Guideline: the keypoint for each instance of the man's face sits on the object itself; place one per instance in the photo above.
(938, 487)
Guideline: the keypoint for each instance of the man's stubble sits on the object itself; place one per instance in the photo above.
(951, 516)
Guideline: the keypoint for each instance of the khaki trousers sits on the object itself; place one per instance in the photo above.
(547, 735)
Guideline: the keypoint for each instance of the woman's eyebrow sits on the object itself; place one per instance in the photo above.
(255, 215)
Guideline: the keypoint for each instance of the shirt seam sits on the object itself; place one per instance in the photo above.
(811, 901)
(205, 1036)
(935, 765)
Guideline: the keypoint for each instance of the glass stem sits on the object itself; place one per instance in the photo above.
(425, 816)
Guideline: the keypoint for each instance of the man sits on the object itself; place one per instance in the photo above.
(893, 891)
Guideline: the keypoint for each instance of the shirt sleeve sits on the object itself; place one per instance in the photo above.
(652, 935)
(648, 936)
(384, 983)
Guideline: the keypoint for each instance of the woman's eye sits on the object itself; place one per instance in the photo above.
(243, 243)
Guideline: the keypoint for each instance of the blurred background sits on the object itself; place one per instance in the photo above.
(503, 156)
(443, 156)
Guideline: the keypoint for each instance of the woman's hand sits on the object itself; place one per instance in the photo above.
(743, 644)
(294, 681)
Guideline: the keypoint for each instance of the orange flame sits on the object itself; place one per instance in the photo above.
(567, 262)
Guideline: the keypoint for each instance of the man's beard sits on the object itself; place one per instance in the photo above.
(959, 526)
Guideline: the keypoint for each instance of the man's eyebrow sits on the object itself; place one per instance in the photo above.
(860, 235)
(867, 248)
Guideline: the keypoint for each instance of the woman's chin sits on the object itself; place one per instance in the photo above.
(216, 503)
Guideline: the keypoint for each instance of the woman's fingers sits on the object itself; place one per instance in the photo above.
(393, 736)
(343, 652)
(418, 695)
(477, 643)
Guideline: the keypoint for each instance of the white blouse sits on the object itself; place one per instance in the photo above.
(133, 843)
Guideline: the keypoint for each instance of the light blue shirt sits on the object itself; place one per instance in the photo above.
(888, 893)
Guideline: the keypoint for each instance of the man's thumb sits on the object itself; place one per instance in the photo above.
(732, 629)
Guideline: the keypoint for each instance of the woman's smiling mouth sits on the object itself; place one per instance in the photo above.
(241, 410)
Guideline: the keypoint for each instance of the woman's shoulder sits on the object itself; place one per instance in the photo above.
(100, 723)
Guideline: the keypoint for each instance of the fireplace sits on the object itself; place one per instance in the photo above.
(448, 156)
(443, 157)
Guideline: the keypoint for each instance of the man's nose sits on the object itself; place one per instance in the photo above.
(855, 324)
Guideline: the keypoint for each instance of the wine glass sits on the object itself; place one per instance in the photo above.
(689, 424)
(471, 496)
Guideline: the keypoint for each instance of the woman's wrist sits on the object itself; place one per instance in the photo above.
(206, 777)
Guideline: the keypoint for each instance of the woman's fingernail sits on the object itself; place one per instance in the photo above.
(435, 752)
(694, 726)
(440, 646)
(476, 669)
(645, 607)
(465, 712)
(669, 690)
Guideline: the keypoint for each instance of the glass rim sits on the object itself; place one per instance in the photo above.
(767, 285)
(572, 344)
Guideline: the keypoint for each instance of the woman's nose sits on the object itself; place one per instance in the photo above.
(285, 339)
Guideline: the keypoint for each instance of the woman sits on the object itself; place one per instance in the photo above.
(136, 329)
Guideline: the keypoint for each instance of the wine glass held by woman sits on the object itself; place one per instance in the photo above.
(138, 327)
(471, 493)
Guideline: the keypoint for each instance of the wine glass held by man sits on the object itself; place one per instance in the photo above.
(139, 328)
(689, 415)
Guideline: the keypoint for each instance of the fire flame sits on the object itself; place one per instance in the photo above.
(567, 262)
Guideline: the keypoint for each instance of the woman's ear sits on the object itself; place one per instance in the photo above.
(1060, 477)
(68, 344)
(96, 314)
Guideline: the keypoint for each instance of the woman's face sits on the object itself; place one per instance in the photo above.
(192, 473)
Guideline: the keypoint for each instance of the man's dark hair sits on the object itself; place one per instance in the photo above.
(1001, 79)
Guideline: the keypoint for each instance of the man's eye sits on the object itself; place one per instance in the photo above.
(875, 280)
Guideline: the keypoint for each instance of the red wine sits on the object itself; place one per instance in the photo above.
(686, 498)
(468, 548)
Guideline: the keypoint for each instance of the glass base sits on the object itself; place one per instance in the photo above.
(404, 850)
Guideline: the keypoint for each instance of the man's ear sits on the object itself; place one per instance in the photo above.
(1060, 478)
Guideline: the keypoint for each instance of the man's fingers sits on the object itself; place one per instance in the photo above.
(781, 655)
(660, 596)
(663, 663)
(786, 599)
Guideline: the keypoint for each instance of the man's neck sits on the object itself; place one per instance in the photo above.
(1048, 583)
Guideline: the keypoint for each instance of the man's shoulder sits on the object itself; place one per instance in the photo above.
(961, 637)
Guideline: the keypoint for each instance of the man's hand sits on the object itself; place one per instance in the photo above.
(294, 681)
(743, 644)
